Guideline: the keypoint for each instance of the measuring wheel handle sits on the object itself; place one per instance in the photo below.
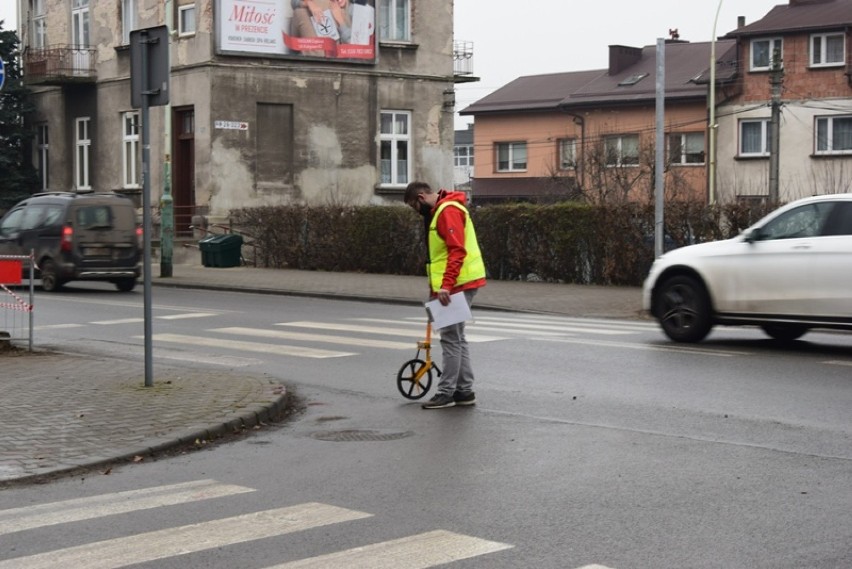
(413, 381)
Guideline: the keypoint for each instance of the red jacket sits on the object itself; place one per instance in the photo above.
(450, 228)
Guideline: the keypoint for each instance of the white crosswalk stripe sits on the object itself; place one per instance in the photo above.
(118, 321)
(169, 542)
(327, 338)
(413, 552)
(382, 330)
(277, 349)
(419, 551)
(20, 519)
(187, 315)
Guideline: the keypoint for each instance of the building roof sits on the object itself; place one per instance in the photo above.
(533, 92)
(686, 65)
(800, 15)
(464, 137)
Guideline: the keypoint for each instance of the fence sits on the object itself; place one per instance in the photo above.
(16, 313)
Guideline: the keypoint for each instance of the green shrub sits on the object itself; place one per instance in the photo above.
(566, 242)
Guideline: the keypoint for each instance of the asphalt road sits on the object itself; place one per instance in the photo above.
(594, 442)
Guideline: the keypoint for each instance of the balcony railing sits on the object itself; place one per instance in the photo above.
(463, 61)
(59, 64)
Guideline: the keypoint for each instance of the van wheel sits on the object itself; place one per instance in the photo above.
(49, 277)
(125, 285)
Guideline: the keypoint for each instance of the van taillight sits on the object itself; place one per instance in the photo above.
(139, 235)
(67, 234)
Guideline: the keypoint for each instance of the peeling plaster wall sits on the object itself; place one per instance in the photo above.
(232, 188)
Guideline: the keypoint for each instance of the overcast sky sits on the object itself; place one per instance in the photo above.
(554, 36)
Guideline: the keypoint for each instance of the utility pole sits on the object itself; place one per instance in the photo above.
(776, 76)
(659, 159)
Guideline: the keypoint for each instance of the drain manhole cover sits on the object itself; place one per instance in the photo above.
(360, 435)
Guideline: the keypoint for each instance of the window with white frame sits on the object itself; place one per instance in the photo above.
(763, 53)
(828, 49)
(130, 152)
(80, 22)
(395, 147)
(394, 21)
(186, 20)
(622, 150)
(567, 153)
(511, 156)
(41, 154)
(82, 154)
(39, 22)
(754, 137)
(128, 20)
(834, 135)
(463, 155)
(686, 148)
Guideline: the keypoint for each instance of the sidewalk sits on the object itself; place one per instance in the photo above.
(61, 411)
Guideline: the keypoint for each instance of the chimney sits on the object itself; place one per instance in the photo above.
(621, 57)
(740, 22)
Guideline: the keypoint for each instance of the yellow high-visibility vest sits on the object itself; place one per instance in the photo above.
(472, 268)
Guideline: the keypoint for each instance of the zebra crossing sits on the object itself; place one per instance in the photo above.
(351, 336)
(419, 551)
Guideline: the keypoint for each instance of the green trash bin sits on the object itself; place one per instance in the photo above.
(221, 250)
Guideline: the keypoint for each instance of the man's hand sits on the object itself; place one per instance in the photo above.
(444, 296)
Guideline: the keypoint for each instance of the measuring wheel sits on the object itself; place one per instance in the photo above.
(412, 380)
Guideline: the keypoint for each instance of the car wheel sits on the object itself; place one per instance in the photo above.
(49, 277)
(125, 285)
(785, 332)
(683, 309)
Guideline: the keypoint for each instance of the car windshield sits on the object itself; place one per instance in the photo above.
(11, 222)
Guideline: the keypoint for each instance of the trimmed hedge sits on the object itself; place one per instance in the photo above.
(566, 242)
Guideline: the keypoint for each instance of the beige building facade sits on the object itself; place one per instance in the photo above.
(347, 107)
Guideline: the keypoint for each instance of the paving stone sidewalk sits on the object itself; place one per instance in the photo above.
(62, 411)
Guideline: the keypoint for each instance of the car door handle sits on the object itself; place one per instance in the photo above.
(802, 246)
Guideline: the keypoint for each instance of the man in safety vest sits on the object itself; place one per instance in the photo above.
(455, 265)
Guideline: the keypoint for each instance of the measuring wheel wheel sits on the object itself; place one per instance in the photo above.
(409, 386)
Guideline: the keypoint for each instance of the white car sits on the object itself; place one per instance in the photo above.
(789, 272)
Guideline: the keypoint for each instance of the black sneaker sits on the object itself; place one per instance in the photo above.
(468, 398)
(439, 401)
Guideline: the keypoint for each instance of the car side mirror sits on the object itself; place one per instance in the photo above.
(751, 235)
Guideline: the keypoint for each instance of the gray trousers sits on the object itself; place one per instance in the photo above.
(457, 373)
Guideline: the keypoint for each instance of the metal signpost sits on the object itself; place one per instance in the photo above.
(149, 87)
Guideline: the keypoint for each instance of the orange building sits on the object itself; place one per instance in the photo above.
(591, 134)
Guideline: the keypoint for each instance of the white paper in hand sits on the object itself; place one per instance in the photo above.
(456, 311)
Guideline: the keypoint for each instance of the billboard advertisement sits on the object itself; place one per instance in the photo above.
(311, 29)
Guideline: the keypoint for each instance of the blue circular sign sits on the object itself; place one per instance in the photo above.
(2, 73)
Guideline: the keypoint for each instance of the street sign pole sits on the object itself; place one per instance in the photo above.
(146, 217)
(149, 85)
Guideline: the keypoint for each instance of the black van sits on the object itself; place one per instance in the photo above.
(91, 236)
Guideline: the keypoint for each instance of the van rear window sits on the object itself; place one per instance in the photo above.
(93, 217)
